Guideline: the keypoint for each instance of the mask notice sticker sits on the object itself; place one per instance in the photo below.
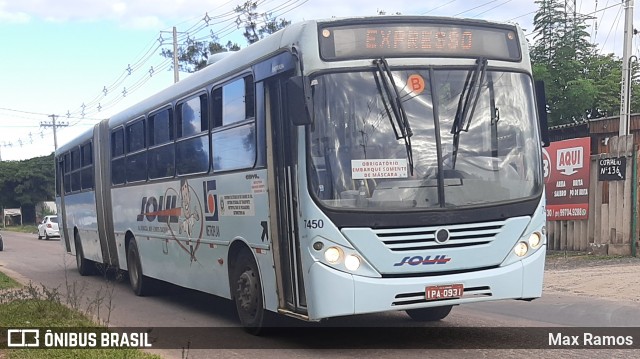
(379, 168)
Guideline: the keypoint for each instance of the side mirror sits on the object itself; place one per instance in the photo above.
(299, 106)
(541, 104)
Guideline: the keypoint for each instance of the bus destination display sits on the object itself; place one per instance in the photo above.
(410, 40)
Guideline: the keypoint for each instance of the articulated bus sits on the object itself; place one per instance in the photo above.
(334, 168)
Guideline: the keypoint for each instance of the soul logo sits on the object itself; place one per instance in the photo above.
(419, 260)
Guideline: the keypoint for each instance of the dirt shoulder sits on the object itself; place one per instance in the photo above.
(614, 278)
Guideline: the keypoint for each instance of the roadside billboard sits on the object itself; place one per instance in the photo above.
(566, 167)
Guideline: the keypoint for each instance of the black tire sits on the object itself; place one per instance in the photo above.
(1, 245)
(39, 236)
(140, 283)
(429, 314)
(246, 289)
(85, 266)
(46, 236)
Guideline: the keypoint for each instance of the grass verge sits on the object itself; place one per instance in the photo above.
(33, 306)
(29, 228)
(7, 282)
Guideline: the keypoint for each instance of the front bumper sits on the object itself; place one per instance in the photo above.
(335, 293)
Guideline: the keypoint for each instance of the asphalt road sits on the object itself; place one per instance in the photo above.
(204, 321)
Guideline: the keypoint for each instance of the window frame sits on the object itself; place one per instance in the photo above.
(205, 102)
(153, 147)
(217, 121)
(118, 160)
(137, 152)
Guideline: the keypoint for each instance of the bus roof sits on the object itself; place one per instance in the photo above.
(233, 64)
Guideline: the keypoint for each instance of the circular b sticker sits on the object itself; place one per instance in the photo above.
(415, 83)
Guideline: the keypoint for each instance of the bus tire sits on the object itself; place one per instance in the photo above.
(429, 314)
(246, 289)
(85, 266)
(140, 284)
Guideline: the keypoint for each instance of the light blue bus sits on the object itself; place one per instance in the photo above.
(334, 168)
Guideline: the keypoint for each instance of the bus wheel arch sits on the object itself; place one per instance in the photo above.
(246, 288)
(85, 266)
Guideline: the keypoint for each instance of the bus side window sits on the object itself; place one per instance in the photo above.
(161, 146)
(192, 145)
(117, 157)
(67, 172)
(136, 157)
(86, 173)
(234, 132)
(75, 170)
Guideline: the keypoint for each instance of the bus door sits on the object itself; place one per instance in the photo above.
(281, 160)
(60, 189)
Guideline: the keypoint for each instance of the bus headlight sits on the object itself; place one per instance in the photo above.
(521, 249)
(352, 262)
(332, 255)
(535, 240)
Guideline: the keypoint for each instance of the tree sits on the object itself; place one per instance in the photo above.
(580, 83)
(605, 71)
(248, 16)
(194, 54)
(25, 183)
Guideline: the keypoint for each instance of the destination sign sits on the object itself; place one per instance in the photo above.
(360, 41)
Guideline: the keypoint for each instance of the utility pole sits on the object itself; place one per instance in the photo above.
(176, 76)
(54, 125)
(625, 93)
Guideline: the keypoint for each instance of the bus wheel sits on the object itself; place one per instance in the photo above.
(84, 265)
(247, 294)
(429, 314)
(139, 283)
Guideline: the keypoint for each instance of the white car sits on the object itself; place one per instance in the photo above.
(48, 228)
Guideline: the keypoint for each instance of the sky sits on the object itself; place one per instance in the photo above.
(85, 60)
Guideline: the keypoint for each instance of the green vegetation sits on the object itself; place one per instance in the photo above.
(29, 228)
(581, 83)
(25, 183)
(32, 306)
(7, 282)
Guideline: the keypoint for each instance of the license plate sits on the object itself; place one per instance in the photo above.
(444, 291)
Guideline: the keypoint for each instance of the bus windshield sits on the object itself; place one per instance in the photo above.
(357, 160)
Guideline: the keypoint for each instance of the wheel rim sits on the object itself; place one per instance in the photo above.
(78, 255)
(133, 271)
(247, 293)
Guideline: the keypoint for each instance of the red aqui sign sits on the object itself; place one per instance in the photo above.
(566, 172)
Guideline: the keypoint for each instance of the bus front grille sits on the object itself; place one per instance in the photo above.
(421, 238)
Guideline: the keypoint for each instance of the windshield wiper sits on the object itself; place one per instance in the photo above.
(467, 103)
(400, 126)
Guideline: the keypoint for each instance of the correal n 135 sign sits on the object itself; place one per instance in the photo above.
(566, 167)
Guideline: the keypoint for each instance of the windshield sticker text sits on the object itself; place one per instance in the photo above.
(389, 168)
